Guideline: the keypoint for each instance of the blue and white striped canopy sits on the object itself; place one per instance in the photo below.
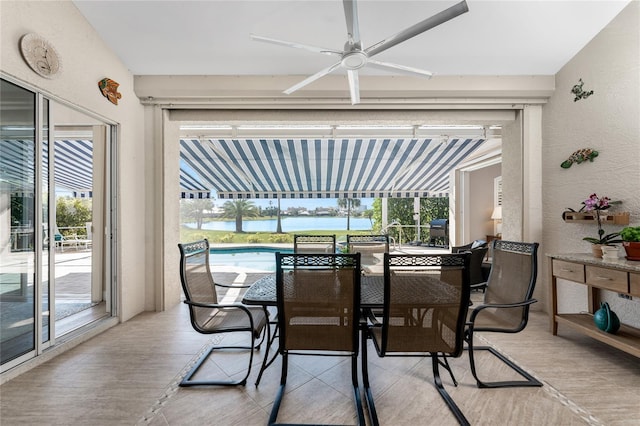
(73, 165)
(320, 168)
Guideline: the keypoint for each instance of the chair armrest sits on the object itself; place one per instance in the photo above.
(479, 308)
(479, 285)
(219, 306)
(233, 286)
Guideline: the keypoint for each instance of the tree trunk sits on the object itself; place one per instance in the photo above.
(348, 213)
(239, 223)
(279, 223)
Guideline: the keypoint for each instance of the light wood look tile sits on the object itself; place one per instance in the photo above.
(129, 374)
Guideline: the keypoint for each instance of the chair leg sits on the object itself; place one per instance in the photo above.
(445, 364)
(356, 389)
(266, 362)
(529, 382)
(283, 382)
(373, 416)
(444, 394)
(187, 379)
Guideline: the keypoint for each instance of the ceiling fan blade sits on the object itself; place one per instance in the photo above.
(311, 79)
(354, 86)
(387, 66)
(351, 15)
(310, 48)
(422, 26)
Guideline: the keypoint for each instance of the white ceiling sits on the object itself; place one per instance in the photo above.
(513, 37)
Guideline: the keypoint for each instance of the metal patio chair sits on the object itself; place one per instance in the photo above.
(478, 250)
(314, 243)
(426, 297)
(318, 297)
(505, 308)
(210, 317)
(372, 249)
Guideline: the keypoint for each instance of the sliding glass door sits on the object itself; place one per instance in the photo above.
(55, 211)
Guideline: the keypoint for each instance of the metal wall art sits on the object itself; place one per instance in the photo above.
(109, 89)
(580, 156)
(579, 92)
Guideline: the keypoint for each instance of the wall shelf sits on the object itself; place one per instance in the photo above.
(619, 218)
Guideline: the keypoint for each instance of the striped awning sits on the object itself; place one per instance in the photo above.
(73, 165)
(320, 168)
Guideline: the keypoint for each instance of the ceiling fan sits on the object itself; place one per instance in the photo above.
(354, 57)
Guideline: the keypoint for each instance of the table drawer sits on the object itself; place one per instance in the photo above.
(568, 270)
(634, 283)
(607, 278)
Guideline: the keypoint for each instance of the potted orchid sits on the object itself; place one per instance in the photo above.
(596, 205)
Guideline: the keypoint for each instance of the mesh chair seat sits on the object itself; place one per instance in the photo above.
(232, 319)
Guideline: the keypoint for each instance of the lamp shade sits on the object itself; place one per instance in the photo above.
(497, 213)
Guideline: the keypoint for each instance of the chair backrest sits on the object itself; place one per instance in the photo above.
(475, 244)
(318, 297)
(478, 255)
(514, 270)
(372, 249)
(314, 243)
(197, 282)
(426, 298)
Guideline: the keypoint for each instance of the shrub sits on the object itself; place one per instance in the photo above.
(226, 238)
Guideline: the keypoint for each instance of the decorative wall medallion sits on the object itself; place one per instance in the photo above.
(579, 92)
(41, 56)
(109, 89)
(580, 156)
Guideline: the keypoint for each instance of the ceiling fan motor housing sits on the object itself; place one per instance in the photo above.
(354, 60)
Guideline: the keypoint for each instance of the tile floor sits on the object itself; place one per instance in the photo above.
(129, 375)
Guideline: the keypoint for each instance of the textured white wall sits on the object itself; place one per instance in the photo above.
(85, 61)
(609, 122)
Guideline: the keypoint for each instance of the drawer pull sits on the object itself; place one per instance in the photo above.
(604, 278)
(566, 270)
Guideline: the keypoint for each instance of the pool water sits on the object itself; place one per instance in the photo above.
(258, 258)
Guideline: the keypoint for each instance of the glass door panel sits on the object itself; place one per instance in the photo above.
(17, 221)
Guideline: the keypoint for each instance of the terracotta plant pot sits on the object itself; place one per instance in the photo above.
(633, 249)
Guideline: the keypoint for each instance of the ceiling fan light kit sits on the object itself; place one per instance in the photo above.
(353, 57)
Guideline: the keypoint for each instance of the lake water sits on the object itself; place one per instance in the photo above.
(291, 224)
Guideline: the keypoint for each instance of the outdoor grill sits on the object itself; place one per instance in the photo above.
(439, 232)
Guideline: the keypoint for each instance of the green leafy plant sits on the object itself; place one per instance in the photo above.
(598, 204)
(631, 234)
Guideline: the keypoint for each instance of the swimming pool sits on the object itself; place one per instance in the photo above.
(261, 258)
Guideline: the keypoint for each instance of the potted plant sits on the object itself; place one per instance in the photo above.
(631, 241)
(596, 205)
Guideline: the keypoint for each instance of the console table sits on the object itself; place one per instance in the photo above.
(620, 276)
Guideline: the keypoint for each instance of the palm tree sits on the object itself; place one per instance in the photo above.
(279, 223)
(239, 209)
(348, 203)
(195, 209)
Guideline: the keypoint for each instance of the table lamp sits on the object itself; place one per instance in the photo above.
(497, 217)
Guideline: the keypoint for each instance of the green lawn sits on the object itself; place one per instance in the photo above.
(188, 234)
